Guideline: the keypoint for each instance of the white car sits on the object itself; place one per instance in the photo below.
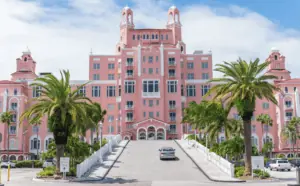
(4, 164)
(280, 165)
(49, 163)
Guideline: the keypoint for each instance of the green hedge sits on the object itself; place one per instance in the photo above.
(261, 173)
(48, 171)
(28, 164)
(239, 171)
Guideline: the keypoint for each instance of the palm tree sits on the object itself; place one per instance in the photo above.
(6, 117)
(242, 83)
(265, 120)
(290, 132)
(65, 108)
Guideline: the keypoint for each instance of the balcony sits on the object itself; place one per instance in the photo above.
(129, 76)
(129, 64)
(12, 132)
(172, 131)
(13, 108)
(172, 75)
(172, 119)
(129, 107)
(151, 94)
(172, 107)
(288, 118)
(172, 64)
(129, 119)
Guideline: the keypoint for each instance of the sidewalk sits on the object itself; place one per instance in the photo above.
(208, 168)
(100, 170)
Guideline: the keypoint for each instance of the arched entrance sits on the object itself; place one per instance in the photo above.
(142, 134)
(151, 133)
(160, 134)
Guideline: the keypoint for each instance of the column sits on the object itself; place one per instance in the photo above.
(162, 60)
(139, 60)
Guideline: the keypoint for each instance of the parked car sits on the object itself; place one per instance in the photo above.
(295, 162)
(5, 163)
(280, 165)
(48, 163)
(167, 153)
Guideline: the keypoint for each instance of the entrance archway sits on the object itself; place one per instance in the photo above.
(160, 134)
(142, 134)
(151, 133)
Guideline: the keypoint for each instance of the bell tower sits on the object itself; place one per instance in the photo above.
(277, 65)
(174, 24)
(25, 68)
(126, 25)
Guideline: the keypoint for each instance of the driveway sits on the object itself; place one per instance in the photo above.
(140, 162)
(283, 175)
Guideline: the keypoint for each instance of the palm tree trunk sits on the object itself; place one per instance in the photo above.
(92, 136)
(60, 148)
(248, 146)
(97, 133)
(7, 142)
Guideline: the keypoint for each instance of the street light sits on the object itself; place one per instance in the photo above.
(100, 125)
(109, 125)
(116, 125)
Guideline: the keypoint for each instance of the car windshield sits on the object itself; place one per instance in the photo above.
(167, 149)
(283, 161)
(49, 160)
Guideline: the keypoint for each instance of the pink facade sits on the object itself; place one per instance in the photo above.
(144, 87)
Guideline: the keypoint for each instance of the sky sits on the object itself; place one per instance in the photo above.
(61, 33)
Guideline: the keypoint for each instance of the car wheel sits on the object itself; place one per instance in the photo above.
(289, 169)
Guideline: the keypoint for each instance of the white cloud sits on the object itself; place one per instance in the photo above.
(61, 37)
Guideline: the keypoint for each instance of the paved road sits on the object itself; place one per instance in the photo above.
(140, 162)
(283, 175)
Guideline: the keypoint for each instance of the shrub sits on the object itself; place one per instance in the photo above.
(28, 164)
(261, 173)
(239, 171)
(72, 172)
(48, 171)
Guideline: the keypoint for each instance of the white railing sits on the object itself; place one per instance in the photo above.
(87, 164)
(219, 161)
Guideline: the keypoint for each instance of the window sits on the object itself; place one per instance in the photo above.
(157, 114)
(150, 86)
(96, 77)
(171, 72)
(111, 76)
(15, 91)
(110, 118)
(190, 76)
(254, 141)
(35, 129)
(286, 90)
(150, 103)
(129, 73)
(151, 114)
(288, 104)
(253, 128)
(172, 116)
(110, 129)
(236, 116)
(156, 36)
(157, 102)
(48, 141)
(190, 65)
(144, 36)
(147, 36)
(171, 61)
(204, 89)
(36, 92)
(275, 57)
(111, 66)
(133, 37)
(150, 59)
(204, 65)
(12, 129)
(35, 143)
(172, 86)
(156, 58)
(267, 139)
(205, 76)
(129, 116)
(110, 91)
(96, 66)
(82, 91)
(265, 105)
(173, 128)
(138, 37)
(95, 91)
(14, 106)
(14, 118)
(288, 115)
(144, 114)
(182, 90)
(190, 90)
(130, 61)
(157, 71)
(172, 103)
(152, 36)
(110, 107)
(266, 128)
(167, 37)
(150, 70)
(129, 86)
(129, 104)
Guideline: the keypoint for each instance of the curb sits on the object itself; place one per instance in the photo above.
(102, 178)
(211, 179)
(42, 180)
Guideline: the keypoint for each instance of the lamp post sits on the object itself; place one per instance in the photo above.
(100, 126)
(109, 126)
(116, 126)
(121, 125)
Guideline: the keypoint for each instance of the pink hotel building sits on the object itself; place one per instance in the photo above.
(144, 87)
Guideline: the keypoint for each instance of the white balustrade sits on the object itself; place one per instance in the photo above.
(219, 161)
(87, 164)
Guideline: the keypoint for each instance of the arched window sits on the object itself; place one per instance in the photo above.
(133, 37)
(129, 19)
(181, 48)
(144, 36)
(267, 139)
(25, 59)
(254, 141)
(35, 143)
(138, 37)
(176, 18)
(222, 139)
(152, 36)
(156, 36)
(95, 140)
(275, 57)
(147, 36)
(12, 157)
(119, 49)
(48, 141)
(12, 144)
